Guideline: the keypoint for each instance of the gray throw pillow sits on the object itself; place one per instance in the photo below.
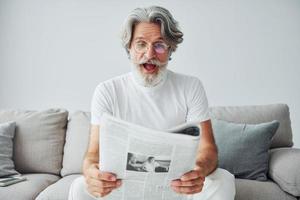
(243, 148)
(7, 132)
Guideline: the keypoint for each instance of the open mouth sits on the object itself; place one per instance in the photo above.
(150, 68)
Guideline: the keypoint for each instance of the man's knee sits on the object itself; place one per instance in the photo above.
(222, 174)
(78, 190)
(219, 185)
(226, 189)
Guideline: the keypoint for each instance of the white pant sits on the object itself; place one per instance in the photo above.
(219, 185)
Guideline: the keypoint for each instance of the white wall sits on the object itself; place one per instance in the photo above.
(54, 53)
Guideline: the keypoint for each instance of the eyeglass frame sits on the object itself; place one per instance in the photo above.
(150, 44)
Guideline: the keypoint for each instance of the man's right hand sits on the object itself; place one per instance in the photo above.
(100, 184)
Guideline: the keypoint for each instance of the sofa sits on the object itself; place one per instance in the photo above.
(49, 147)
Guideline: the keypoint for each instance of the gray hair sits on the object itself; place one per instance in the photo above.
(153, 14)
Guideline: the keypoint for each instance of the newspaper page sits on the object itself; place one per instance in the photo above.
(146, 160)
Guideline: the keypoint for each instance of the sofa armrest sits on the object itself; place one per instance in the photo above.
(284, 169)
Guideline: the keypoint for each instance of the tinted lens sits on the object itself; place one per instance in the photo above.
(160, 48)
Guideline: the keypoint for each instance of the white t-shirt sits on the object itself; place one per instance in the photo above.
(178, 99)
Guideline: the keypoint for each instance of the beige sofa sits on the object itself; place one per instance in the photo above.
(49, 147)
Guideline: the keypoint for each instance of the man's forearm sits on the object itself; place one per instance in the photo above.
(207, 160)
(89, 159)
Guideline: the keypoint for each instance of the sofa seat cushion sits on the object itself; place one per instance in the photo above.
(29, 189)
(257, 190)
(58, 190)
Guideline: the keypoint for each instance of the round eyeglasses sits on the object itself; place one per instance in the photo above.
(142, 47)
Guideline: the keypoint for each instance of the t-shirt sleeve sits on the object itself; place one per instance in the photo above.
(101, 103)
(197, 102)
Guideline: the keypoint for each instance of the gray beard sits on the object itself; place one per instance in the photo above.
(149, 80)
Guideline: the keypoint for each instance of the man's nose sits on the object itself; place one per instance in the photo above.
(150, 53)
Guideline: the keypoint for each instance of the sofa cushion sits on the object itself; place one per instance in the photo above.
(285, 169)
(256, 190)
(29, 189)
(7, 132)
(77, 138)
(259, 114)
(39, 139)
(58, 190)
(243, 148)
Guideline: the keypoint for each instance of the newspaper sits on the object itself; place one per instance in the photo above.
(146, 160)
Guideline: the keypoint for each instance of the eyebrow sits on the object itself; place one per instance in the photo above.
(139, 38)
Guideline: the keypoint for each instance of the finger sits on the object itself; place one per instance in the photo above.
(176, 182)
(191, 175)
(188, 190)
(103, 193)
(100, 190)
(199, 189)
(197, 181)
(104, 184)
(106, 190)
(107, 176)
(106, 193)
(94, 172)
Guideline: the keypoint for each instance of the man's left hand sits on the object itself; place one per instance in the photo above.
(190, 183)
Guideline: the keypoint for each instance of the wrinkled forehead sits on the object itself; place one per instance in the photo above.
(147, 31)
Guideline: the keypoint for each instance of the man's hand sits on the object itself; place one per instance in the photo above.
(100, 184)
(190, 183)
(206, 162)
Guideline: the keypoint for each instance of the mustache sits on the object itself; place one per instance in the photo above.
(151, 61)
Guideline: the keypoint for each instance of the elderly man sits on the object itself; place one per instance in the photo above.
(155, 97)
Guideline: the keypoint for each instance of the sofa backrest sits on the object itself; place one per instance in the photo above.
(39, 139)
(46, 142)
(77, 136)
(259, 114)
